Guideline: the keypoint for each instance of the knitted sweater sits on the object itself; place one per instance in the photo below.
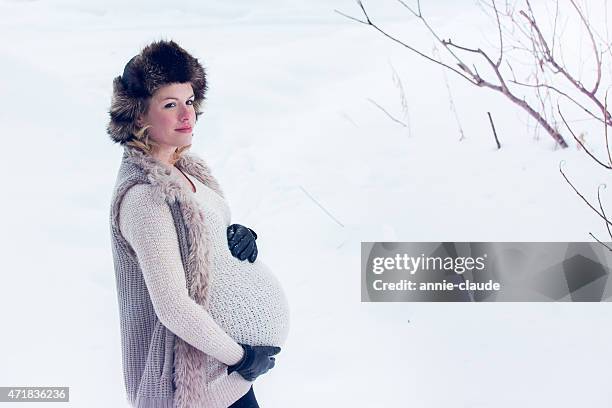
(184, 301)
(245, 298)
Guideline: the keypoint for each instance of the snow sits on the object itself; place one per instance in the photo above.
(287, 116)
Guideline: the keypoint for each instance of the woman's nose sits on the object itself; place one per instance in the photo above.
(185, 114)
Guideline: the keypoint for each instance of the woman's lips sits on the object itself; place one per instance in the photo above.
(184, 130)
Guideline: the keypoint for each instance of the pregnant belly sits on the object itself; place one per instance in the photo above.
(248, 302)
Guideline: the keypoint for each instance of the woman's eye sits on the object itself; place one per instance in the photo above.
(173, 104)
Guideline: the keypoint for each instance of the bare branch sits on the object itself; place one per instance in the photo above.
(501, 39)
(581, 196)
(557, 68)
(415, 13)
(387, 113)
(451, 100)
(471, 74)
(370, 23)
(564, 94)
(554, 35)
(352, 18)
(502, 87)
(511, 71)
(419, 15)
(602, 209)
(494, 131)
(593, 43)
(397, 81)
(580, 142)
(321, 207)
(606, 128)
(594, 237)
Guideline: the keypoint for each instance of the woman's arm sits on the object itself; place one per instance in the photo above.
(147, 224)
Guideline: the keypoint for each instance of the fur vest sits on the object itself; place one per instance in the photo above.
(160, 369)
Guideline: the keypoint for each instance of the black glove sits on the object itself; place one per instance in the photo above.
(241, 241)
(257, 360)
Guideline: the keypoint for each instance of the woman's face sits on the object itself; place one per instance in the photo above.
(171, 115)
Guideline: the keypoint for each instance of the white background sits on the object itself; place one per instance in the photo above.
(287, 110)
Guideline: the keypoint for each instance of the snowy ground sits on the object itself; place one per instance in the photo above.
(287, 111)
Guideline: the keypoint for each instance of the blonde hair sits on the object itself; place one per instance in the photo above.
(142, 142)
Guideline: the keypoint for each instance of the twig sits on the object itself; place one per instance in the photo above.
(470, 74)
(501, 39)
(387, 113)
(321, 207)
(494, 132)
(606, 128)
(601, 207)
(370, 23)
(557, 90)
(561, 68)
(347, 117)
(580, 142)
(591, 234)
(594, 44)
(397, 81)
(451, 99)
(581, 196)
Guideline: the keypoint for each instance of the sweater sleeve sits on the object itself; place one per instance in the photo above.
(147, 224)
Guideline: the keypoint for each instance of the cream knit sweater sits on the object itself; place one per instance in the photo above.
(246, 302)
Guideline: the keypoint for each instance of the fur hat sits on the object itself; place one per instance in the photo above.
(158, 64)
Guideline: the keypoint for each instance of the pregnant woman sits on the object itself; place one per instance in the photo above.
(200, 316)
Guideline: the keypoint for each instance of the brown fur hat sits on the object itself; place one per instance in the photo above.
(158, 64)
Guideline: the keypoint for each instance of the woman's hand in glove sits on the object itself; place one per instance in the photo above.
(257, 360)
(241, 241)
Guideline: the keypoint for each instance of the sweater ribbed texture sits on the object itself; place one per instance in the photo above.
(245, 301)
(149, 228)
(245, 298)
